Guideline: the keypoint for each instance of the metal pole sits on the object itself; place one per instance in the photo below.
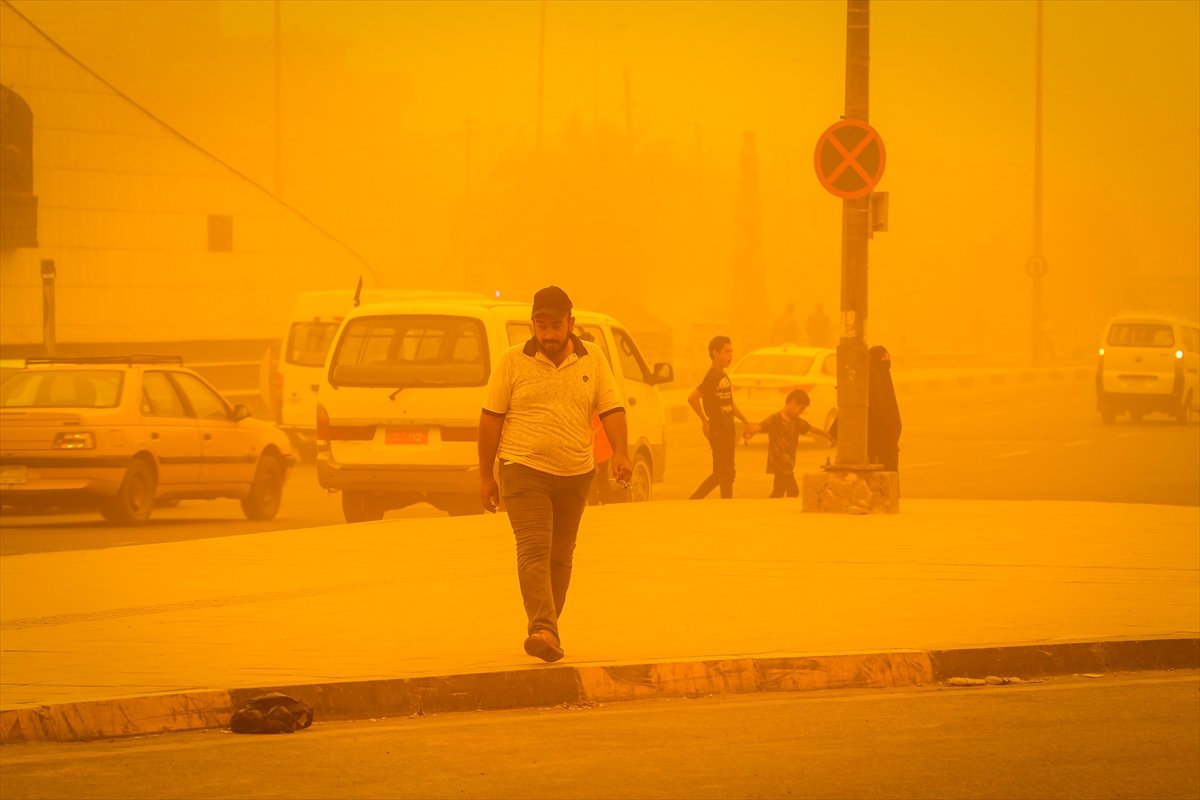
(1037, 265)
(278, 82)
(541, 75)
(852, 348)
(49, 274)
(468, 277)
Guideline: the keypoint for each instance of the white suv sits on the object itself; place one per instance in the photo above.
(401, 392)
(1148, 363)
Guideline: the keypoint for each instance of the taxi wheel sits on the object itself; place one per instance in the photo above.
(134, 501)
(360, 506)
(641, 482)
(266, 492)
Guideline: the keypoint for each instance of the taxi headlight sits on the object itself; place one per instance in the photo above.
(74, 440)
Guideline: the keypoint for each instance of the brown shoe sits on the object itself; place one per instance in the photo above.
(544, 645)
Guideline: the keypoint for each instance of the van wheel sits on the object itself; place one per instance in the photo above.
(641, 482)
(360, 506)
(134, 501)
(266, 492)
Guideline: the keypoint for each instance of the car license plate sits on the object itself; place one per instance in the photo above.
(13, 475)
(407, 436)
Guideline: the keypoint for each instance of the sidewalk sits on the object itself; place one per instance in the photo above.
(669, 598)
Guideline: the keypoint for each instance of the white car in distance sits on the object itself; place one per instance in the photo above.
(763, 378)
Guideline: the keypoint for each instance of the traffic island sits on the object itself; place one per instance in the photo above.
(851, 491)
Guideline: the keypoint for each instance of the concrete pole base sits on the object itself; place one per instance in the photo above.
(849, 491)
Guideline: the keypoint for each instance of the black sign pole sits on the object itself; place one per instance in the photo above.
(852, 348)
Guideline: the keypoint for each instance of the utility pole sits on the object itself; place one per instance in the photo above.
(278, 94)
(468, 276)
(628, 113)
(541, 77)
(852, 348)
(1035, 267)
(49, 321)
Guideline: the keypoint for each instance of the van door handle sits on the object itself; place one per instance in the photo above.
(208, 437)
(633, 401)
(153, 434)
(314, 387)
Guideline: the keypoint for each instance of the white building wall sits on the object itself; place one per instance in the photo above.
(123, 207)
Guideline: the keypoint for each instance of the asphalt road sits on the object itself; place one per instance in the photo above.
(1033, 441)
(1133, 736)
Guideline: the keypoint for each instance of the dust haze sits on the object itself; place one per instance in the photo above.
(657, 158)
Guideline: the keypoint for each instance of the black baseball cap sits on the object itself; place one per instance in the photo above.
(552, 299)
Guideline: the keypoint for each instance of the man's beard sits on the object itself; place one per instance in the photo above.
(551, 348)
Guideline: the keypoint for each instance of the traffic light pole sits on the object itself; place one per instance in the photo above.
(852, 348)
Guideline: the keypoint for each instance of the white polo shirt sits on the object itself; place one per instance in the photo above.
(548, 409)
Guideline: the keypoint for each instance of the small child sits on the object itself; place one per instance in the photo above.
(784, 429)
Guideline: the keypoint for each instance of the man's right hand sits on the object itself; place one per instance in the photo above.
(489, 493)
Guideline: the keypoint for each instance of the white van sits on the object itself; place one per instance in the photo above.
(1148, 363)
(401, 392)
(314, 320)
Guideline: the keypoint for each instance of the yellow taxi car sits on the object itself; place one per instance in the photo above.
(126, 432)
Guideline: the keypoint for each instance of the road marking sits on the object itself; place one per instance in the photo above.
(1014, 453)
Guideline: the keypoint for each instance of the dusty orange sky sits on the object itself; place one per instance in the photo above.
(410, 129)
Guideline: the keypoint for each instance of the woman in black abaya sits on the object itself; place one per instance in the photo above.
(883, 412)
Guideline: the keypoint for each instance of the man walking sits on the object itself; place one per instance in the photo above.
(538, 418)
(713, 402)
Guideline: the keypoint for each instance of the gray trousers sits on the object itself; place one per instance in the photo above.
(544, 511)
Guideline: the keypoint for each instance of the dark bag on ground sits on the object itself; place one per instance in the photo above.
(272, 713)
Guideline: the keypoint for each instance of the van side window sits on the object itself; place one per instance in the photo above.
(632, 365)
(308, 343)
(597, 337)
(519, 332)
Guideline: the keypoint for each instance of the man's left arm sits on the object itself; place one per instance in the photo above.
(612, 417)
(616, 428)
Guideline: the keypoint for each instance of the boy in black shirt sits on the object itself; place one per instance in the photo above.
(713, 403)
(784, 429)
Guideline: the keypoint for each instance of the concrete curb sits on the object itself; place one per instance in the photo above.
(587, 684)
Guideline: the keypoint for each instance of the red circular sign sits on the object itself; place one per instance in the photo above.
(850, 158)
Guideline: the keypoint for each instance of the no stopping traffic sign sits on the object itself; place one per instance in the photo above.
(850, 158)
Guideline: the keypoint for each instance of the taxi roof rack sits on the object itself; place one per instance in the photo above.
(132, 359)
